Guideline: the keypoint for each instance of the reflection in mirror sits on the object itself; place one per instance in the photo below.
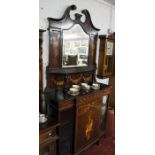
(75, 47)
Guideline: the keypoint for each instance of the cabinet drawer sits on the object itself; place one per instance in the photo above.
(49, 134)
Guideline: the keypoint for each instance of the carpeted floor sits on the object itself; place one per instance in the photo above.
(106, 147)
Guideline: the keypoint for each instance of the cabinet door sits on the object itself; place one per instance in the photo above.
(88, 114)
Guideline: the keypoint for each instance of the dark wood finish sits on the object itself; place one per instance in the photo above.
(48, 137)
(55, 45)
(54, 69)
(74, 113)
(88, 114)
(106, 63)
(66, 105)
(61, 107)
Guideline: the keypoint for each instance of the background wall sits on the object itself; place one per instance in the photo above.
(102, 15)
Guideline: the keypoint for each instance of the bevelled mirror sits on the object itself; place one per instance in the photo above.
(75, 47)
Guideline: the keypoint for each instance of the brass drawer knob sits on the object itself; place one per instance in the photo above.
(50, 134)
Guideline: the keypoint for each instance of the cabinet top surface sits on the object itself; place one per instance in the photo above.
(60, 95)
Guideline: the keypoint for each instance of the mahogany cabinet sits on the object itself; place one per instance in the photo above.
(79, 116)
(72, 60)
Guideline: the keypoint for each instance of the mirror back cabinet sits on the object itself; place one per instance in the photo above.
(72, 56)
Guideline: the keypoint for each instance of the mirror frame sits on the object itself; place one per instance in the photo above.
(56, 27)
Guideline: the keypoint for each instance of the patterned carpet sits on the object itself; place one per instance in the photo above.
(106, 147)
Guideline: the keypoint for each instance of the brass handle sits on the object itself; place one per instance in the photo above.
(50, 134)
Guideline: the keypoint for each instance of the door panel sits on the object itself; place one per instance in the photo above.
(87, 121)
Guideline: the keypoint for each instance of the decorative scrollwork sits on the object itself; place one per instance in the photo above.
(87, 25)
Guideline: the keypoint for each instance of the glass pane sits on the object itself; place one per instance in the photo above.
(75, 47)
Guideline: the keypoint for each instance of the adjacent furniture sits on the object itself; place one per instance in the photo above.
(82, 118)
(106, 56)
(106, 65)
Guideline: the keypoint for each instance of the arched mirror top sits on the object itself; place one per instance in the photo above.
(65, 22)
(72, 46)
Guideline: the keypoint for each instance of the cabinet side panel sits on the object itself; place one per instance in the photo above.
(87, 122)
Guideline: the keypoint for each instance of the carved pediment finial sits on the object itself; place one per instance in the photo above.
(88, 19)
(65, 22)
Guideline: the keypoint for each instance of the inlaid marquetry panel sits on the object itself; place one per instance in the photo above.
(87, 121)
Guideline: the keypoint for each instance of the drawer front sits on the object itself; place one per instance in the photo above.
(47, 135)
